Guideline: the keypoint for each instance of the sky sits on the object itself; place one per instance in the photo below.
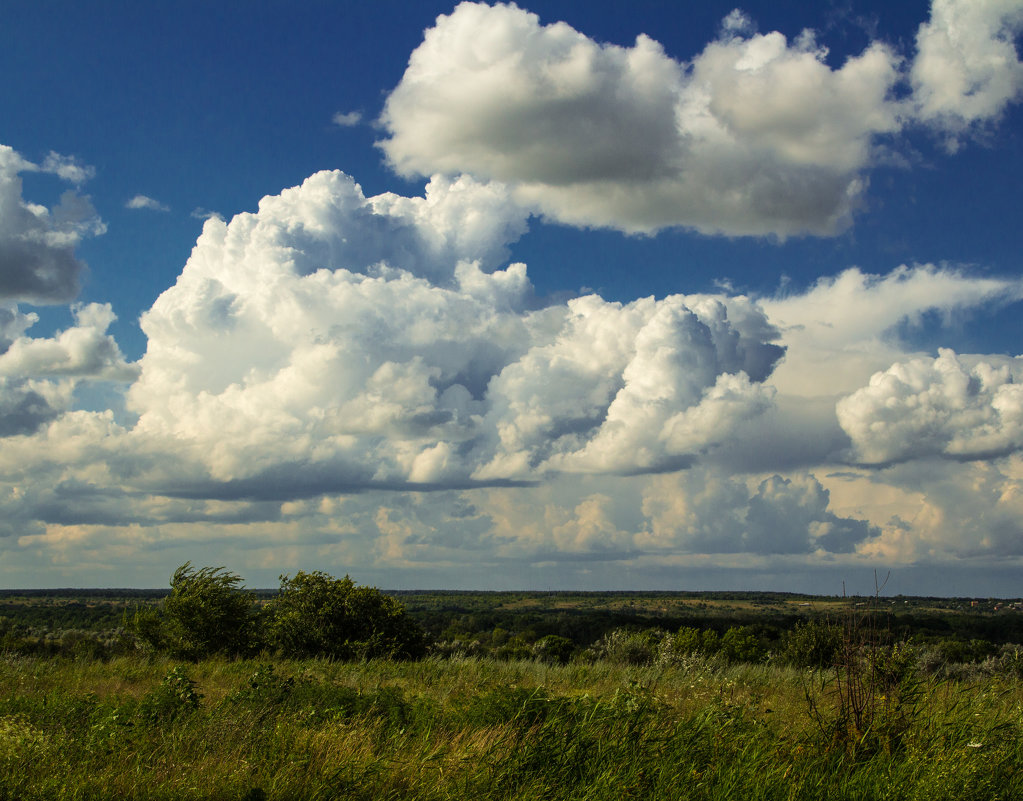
(552, 296)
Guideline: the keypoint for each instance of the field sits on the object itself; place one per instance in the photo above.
(487, 716)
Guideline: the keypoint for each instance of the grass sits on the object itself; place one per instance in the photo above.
(157, 729)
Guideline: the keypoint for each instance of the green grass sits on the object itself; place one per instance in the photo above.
(157, 729)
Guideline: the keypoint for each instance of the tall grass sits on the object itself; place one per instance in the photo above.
(157, 729)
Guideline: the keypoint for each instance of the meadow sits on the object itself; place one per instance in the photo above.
(139, 728)
(636, 715)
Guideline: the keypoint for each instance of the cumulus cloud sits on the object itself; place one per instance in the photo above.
(947, 406)
(936, 510)
(644, 386)
(337, 343)
(375, 342)
(37, 260)
(967, 68)
(838, 333)
(13, 323)
(589, 519)
(706, 511)
(144, 202)
(38, 265)
(82, 351)
(25, 405)
(756, 136)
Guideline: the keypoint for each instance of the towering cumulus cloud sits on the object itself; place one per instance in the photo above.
(372, 342)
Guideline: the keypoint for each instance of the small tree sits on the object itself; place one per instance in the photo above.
(315, 614)
(207, 612)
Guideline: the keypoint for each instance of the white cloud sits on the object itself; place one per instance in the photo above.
(347, 119)
(332, 342)
(37, 261)
(143, 202)
(936, 511)
(967, 68)
(13, 324)
(841, 330)
(738, 23)
(950, 406)
(371, 342)
(755, 136)
(82, 351)
(705, 511)
(68, 169)
(644, 386)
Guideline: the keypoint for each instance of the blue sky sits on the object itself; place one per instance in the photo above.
(763, 335)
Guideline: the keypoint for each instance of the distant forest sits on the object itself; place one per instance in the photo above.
(515, 625)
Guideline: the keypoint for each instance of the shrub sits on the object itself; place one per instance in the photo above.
(206, 613)
(1010, 661)
(814, 644)
(265, 687)
(553, 649)
(871, 697)
(687, 646)
(177, 694)
(624, 647)
(315, 614)
(458, 649)
(740, 644)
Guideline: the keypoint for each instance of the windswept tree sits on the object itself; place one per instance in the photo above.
(207, 612)
(315, 614)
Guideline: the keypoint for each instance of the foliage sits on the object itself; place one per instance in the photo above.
(553, 649)
(813, 644)
(686, 646)
(207, 612)
(741, 644)
(315, 614)
(625, 647)
(265, 686)
(958, 638)
(870, 698)
(149, 629)
(176, 695)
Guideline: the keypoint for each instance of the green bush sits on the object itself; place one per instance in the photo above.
(553, 649)
(315, 614)
(625, 647)
(814, 644)
(740, 644)
(265, 687)
(206, 613)
(176, 695)
(681, 648)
